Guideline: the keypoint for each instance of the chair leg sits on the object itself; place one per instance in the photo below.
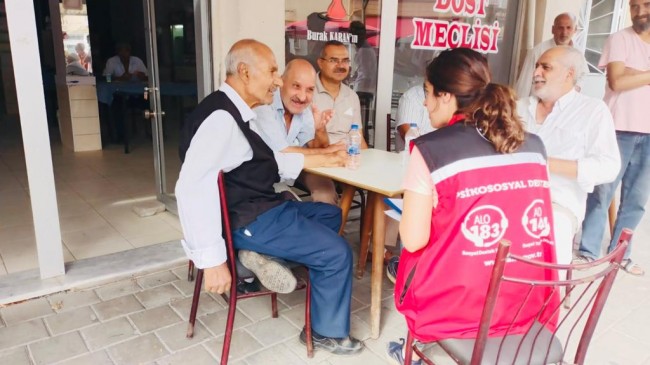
(195, 303)
(190, 271)
(310, 342)
(408, 349)
(274, 305)
(227, 336)
(366, 227)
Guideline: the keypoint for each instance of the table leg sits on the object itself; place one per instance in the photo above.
(366, 226)
(346, 202)
(379, 230)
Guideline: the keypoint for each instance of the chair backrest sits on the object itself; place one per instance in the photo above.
(575, 322)
(227, 233)
(390, 131)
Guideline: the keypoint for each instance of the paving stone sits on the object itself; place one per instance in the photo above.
(158, 296)
(206, 305)
(108, 333)
(117, 307)
(65, 301)
(242, 344)
(22, 333)
(216, 322)
(18, 356)
(181, 272)
(156, 279)
(94, 358)
(258, 308)
(196, 355)
(58, 348)
(277, 355)
(118, 289)
(184, 286)
(71, 320)
(175, 338)
(26, 311)
(153, 319)
(139, 350)
(273, 330)
(2, 322)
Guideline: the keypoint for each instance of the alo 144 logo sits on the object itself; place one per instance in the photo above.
(535, 220)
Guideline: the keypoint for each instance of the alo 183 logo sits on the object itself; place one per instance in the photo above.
(485, 225)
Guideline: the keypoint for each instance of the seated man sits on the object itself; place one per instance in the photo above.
(578, 133)
(217, 137)
(288, 124)
(411, 109)
(124, 67)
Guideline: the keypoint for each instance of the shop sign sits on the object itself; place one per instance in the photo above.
(433, 34)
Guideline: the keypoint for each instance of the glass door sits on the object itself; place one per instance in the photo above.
(172, 92)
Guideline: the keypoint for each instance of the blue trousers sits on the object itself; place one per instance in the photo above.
(307, 233)
(635, 190)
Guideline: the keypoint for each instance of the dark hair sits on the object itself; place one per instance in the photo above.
(330, 43)
(464, 73)
(359, 29)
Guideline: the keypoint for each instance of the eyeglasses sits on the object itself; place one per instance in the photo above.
(336, 61)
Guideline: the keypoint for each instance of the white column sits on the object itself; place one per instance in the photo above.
(38, 158)
(385, 68)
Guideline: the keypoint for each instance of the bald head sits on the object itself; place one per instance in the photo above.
(298, 86)
(557, 72)
(252, 71)
(564, 27)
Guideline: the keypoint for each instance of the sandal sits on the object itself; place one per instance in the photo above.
(632, 268)
(582, 259)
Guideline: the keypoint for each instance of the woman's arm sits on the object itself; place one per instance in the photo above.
(415, 226)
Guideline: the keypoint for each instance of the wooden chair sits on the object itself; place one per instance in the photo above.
(303, 283)
(538, 345)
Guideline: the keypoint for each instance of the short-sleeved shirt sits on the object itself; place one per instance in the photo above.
(411, 109)
(115, 68)
(346, 106)
(629, 108)
(270, 125)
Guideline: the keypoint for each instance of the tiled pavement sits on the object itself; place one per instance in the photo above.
(142, 320)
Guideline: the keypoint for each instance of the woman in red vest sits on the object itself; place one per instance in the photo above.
(478, 179)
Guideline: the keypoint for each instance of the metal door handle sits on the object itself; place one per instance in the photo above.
(148, 114)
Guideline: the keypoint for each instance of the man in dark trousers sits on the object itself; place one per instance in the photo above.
(217, 137)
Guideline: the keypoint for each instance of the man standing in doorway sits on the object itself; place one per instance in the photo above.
(626, 57)
(564, 27)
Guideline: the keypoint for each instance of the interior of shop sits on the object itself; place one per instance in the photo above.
(93, 123)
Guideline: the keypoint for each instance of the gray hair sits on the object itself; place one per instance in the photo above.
(573, 18)
(242, 51)
(573, 59)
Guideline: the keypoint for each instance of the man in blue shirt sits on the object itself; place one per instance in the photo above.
(292, 124)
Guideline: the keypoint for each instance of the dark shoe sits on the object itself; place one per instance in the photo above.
(391, 268)
(244, 287)
(395, 353)
(338, 346)
(272, 274)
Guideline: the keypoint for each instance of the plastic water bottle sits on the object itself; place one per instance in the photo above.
(354, 148)
(411, 134)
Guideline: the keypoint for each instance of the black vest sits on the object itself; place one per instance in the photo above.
(249, 187)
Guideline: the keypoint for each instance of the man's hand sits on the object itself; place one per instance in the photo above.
(321, 118)
(217, 278)
(336, 147)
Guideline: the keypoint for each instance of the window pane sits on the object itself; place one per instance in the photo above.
(597, 42)
(601, 8)
(592, 58)
(602, 25)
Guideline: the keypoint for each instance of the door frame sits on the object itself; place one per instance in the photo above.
(203, 46)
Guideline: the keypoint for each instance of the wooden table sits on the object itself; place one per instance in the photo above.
(381, 174)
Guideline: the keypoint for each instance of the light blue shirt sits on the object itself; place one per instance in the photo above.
(270, 125)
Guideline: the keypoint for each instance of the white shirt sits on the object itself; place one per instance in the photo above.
(115, 68)
(579, 128)
(270, 125)
(524, 84)
(218, 145)
(411, 109)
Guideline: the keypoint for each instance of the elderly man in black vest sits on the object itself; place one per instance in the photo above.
(217, 136)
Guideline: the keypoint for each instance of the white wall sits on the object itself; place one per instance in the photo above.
(550, 11)
(235, 20)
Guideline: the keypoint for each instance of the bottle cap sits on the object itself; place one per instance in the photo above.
(413, 125)
(355, 127)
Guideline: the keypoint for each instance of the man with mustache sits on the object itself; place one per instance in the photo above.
(563, 29)
(578, 133)
(626, 57)
(293, 124)
(217, 137)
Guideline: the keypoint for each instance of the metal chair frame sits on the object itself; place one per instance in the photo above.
(234, 296)
(591, 291)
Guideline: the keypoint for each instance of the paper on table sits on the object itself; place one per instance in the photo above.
(396, 206)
